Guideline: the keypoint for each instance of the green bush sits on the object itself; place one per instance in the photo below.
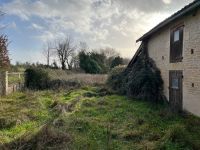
(142, 80)
(115, 78)
(37, 78)
(116, 62)
(92, 62)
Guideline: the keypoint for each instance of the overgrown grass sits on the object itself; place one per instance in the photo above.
(86, 79)
(14, 79)
(89, 119)
(41, 79)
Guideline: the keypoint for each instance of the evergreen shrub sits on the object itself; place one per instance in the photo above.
(142, 80)
(36, 78)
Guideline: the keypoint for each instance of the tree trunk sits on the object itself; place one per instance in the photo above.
(63, 66)
(69, 65)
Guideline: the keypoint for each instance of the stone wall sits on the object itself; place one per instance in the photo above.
(159, 50)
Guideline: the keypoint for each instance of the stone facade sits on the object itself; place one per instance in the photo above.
(159, 51)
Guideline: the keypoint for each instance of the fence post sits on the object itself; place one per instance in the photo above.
(6, 82)
(3, 82)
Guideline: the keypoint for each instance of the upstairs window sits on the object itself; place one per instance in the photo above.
(176, 45)
(176, 36)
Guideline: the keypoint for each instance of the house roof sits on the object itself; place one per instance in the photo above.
(138, 52)
(190, 7)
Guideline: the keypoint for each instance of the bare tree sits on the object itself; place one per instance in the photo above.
(109, 52)
(83, 46)
(65, 51)
(75, 61)
(48, 52)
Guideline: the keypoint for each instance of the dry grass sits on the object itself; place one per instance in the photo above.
(86, 79)
(15, 78)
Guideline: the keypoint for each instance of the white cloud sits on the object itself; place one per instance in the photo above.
(167, 1)
(36, 26)
(117, 23)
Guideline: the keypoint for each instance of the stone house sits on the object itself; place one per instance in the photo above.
(174, 45)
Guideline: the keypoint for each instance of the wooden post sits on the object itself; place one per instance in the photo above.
(6, 82)
(3, 82)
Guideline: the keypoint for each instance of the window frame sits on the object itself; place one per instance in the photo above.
(174, 34)
(176, 55)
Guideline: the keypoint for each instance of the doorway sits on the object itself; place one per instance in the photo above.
(176, 90)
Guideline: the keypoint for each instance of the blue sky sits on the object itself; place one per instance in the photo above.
(100, 23)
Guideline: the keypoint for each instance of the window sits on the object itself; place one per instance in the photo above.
(175, 83)
(176, 35)
(176, 45)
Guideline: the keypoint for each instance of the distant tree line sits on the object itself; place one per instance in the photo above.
(67, 55)
(98, 62)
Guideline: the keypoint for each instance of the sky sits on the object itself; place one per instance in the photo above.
(30, 24)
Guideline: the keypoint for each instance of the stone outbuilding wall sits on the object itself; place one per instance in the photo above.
(159, 51)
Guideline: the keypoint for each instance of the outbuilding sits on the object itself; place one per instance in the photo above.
(174, 45)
